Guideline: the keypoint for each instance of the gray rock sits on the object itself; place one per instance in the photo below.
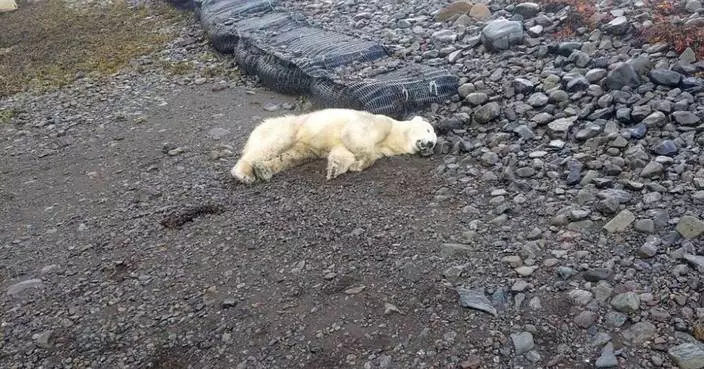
(542, 118)
(655, 119)
(501, 34)
(685, 118)
(454, 249)
(522, 85)
(566, 272)
(596, 274)
(559, 96)
(560, 127)
(618, 26)
(475, 299)
(665, 147)
(528, 10)
(522, 342)
(649, 249)
(620, 222)
(621, 76)
(487, 113)
(688, 56)
(641, 112)
(19, 287)
(477, 98)
(640, 332)
(580, 59)
(577, 84)
(535, 31)
(44, 339)
(580, 297)
(218, 133)
(537, 100)
(526, 133)
(621, 196)
(444, 36)
(690, 227)
(665, 77)
(595, 75)
(607, 359)
(652, 169)
(615, 319)
(693, 5)
(644, 225)
(585, 319)
(627, 302)
(697, 261)
(688, 355)
(465, 89)
(453, 273)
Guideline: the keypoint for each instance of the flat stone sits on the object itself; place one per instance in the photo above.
(665, 77)
(43, 339)
(688, 355)
(218, 133)
(522, 342)
(525, 271)
(621, 76)
(655, 119)
(618, 26)
(640, 332)
(475, 299)
(19, 287)
(620, 222)
(454, 249)
(627, 302)
(690, 227)
(665, 147)
(697, 261)
(652, 169)
(560, 127)
(537, 100)
(685, 118)
(527, 10)
(487, 113)
(607, 359)
(585, 319)
(580, 297)
(476, 98)
(444, 36)
(501, 34)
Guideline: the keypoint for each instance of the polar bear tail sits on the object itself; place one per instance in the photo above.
(271, 138)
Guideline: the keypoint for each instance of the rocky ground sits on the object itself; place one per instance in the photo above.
(558, 226)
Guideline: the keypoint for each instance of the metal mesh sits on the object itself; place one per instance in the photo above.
(291, 56)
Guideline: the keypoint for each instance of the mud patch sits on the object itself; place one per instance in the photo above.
(180, 217)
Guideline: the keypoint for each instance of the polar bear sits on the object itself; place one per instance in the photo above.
(350, 140)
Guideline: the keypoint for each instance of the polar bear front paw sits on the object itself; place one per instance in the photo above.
(262, 171)
(356, 166)
(334, 170)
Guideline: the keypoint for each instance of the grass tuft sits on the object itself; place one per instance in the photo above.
(45, 45)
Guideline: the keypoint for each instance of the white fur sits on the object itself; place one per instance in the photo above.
(351, 140)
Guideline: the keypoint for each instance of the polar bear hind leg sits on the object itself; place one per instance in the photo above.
(268, 140)
(294, 156)
(339, 161)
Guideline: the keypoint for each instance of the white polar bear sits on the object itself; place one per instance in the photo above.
(351, 140)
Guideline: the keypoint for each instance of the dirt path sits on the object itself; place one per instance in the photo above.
(296, 272)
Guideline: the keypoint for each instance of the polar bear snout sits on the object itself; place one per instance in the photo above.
(425, 147)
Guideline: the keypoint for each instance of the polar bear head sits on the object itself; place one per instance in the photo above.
(421, 136)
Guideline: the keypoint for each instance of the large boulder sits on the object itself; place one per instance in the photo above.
(500, 34)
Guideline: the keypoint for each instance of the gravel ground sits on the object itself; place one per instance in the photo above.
(558, 226)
